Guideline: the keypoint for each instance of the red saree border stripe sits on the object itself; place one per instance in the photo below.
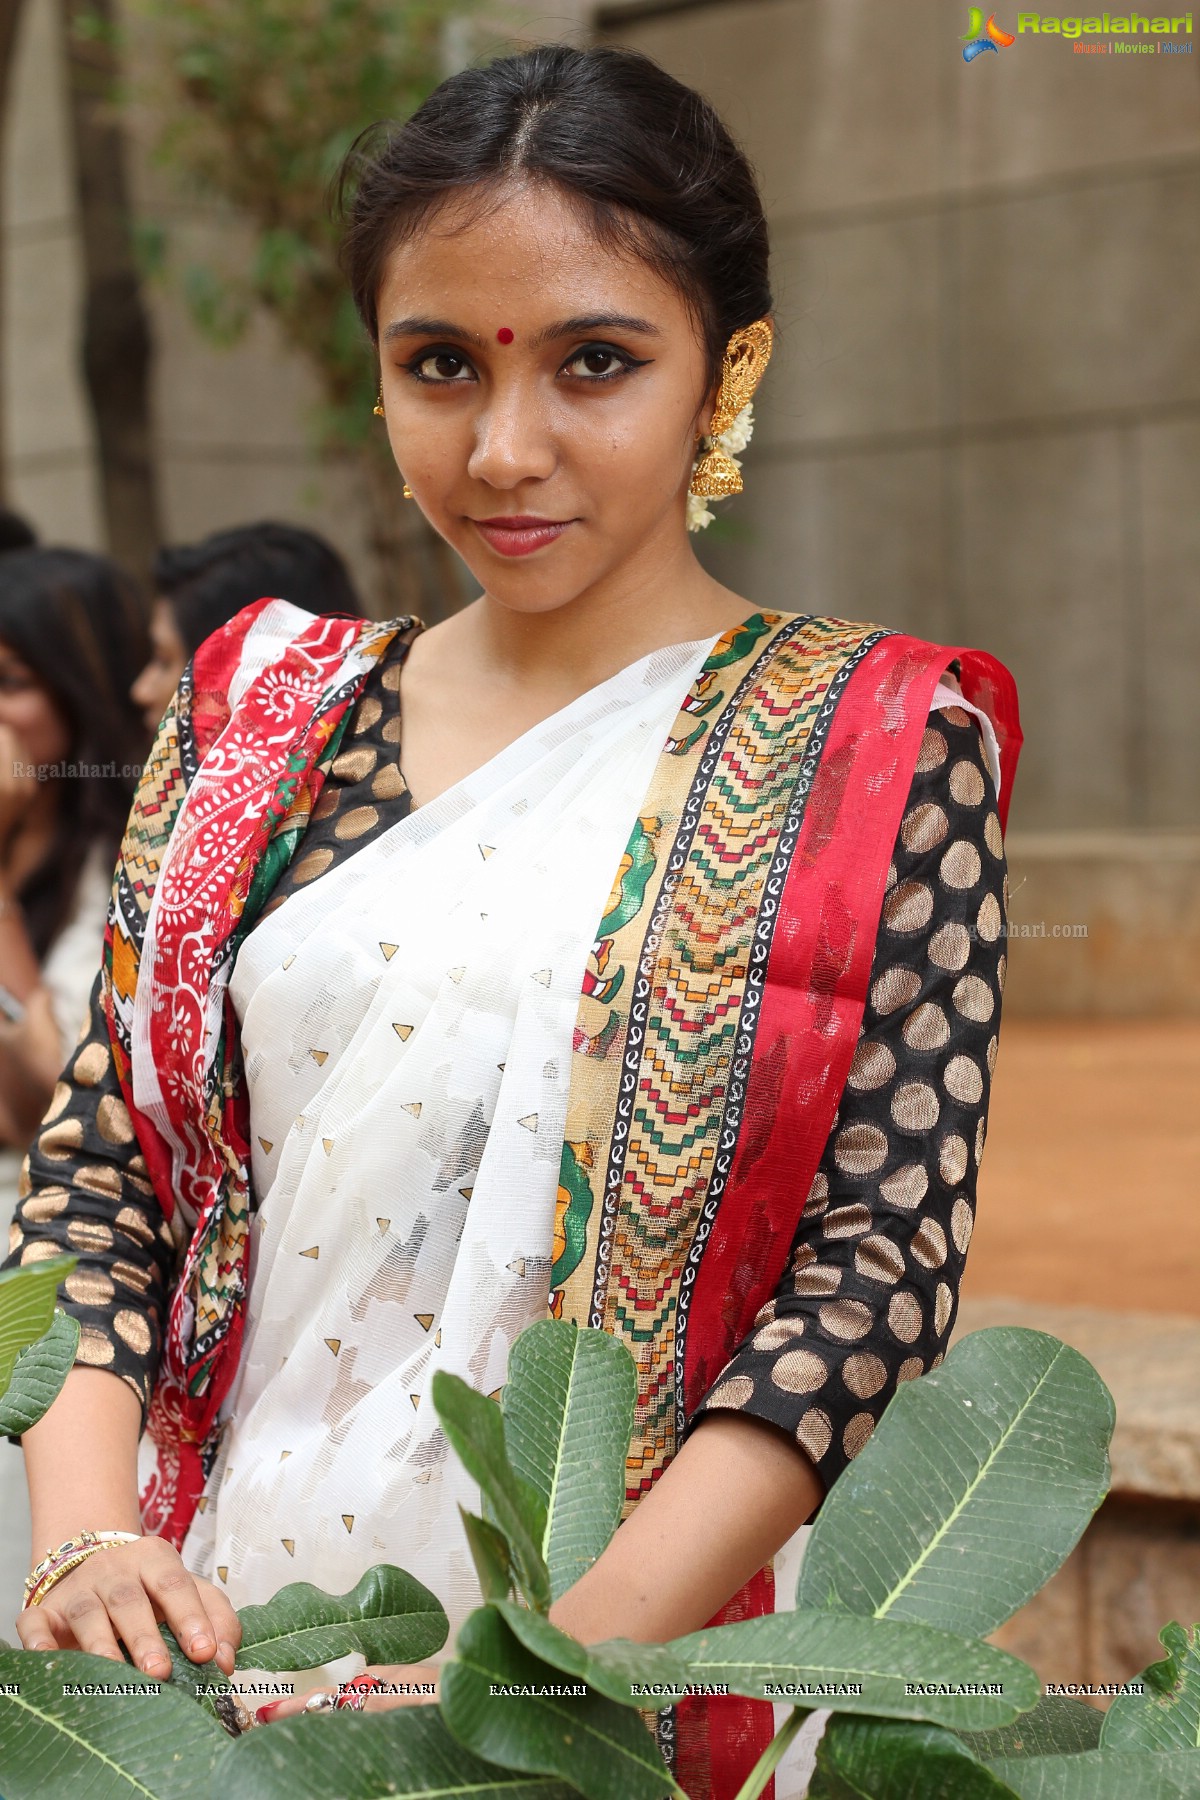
(721, 1737)
(818, 969)
(817, 972)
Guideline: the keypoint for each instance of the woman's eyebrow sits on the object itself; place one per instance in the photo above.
(422, 327)
(576, 327)
(586, 322)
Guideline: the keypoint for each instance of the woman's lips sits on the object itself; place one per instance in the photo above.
(520, 535)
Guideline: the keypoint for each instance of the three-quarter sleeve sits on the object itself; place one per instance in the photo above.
(85, 1191)
(870, 1291)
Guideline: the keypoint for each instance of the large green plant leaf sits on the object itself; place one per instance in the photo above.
(489, 1552)
(857, 1758)
(611, 1668)
(388, 1615)
(811, 1651)
(975, 1485)
(474, 1428)
(601, 1748)
(151, 1741)
(38, 1375)
(568, 1415)
(1167, 1715)
(1103, 1775)
(359, 1756)
(1057, 1726)
(27, 1307)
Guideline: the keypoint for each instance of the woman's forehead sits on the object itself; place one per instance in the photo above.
(528, 246)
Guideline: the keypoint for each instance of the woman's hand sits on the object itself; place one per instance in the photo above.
(410, 1675)
(122, 1593)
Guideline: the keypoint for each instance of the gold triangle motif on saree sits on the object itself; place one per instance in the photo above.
(389, 950)
(335, 1344)
(402, 1031)
(314, 1252)
(529, 1121)
(424, 1320)
(289, 1545)
(348, 1521)
(411, 1106)
(320, 1057)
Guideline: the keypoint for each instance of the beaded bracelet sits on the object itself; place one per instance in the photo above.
(57, 1563)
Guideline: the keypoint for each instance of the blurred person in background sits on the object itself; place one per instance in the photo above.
(72, 634)
(15, 534)
(200, 587)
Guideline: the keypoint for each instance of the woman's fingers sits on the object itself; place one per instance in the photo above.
(87, 1618)
(132, 1617)
(225, 1623)
(178, 1597)
(35, 1628)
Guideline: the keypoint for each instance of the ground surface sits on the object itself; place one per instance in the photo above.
(1090, 1188)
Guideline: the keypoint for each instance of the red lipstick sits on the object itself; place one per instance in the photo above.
(517, 534)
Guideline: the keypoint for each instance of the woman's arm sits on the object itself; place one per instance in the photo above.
(732, 1496)
(869, 1296)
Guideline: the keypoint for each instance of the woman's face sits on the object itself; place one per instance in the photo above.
(30, 712)
(530, 373)
(168, 657)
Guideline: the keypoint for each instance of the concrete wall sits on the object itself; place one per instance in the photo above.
(982, 424)
(983, 420)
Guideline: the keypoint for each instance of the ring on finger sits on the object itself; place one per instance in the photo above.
(319, 1702)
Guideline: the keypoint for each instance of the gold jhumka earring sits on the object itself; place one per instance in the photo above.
(747, 354)
(377, 409)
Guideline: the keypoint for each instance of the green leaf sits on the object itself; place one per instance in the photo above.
(1057, 1726)
(568, 1416)
(601, 1748)
(474, 1428)
(815, 1650)
(149, 1744)
(489, 1553)
(38, 1375)
(388, 1615)
(359, 1756)
(611, 1667)
(1167, 1715)
(27, 1298)
(975, 1485)
(891, 1761)
(186, 1676)
(1103, 1775)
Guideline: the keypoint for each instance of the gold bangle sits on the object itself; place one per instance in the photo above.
(57, 1563)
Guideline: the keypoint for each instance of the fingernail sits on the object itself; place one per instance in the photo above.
(201, 1645)
(227, 1651)
(265, 1713)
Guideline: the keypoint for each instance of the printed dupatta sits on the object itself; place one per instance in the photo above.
(716, 1026)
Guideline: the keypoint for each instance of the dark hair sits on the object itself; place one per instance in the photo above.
(15, 532)
(205, 584)
(81, 625)
(649, 160)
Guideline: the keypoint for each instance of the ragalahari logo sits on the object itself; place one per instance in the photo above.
(984, 37)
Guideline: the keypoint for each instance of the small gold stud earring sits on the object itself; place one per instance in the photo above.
(408, 493)
(378, 407)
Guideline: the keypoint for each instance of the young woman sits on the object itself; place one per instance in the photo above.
(72, 632)
(199, 587)
(658, 989)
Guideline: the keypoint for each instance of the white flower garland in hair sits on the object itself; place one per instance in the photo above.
(731, 441)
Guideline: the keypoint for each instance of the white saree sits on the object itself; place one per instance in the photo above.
(407, 1025)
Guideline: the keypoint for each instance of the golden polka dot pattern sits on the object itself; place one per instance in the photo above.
(872, 1282)
(857, 1309)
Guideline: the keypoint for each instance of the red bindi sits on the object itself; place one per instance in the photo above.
(504, 335)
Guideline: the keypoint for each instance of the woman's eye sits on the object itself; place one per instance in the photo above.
(440, 366)
(598, 361)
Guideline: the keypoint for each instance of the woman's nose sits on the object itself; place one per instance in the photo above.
(513, 442)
